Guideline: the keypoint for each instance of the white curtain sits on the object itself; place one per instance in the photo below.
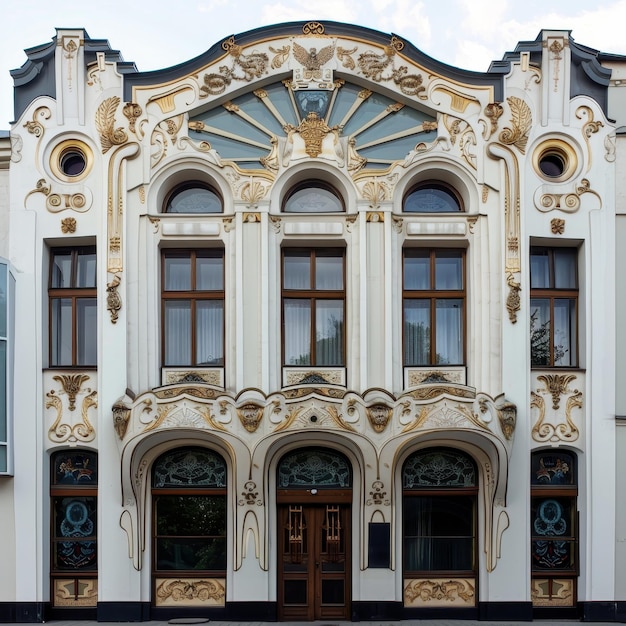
(209, 332)
(297, 319)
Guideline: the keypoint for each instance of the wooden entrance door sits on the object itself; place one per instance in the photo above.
(314, 562)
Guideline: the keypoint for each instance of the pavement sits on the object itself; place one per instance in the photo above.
(412, 622)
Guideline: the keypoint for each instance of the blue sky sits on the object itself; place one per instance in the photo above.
(156, 34)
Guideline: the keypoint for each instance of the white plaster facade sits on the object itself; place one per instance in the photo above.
(483, 135)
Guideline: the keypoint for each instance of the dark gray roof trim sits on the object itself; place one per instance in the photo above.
(294, 29)
(37, 77)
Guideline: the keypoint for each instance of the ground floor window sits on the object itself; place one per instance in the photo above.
(554, 532)
(74, 512)
(189, 528)
(440, 488)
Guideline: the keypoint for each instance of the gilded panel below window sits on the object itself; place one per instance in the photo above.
(190, 592)
(439, 592)
(548, 592)
(75, 592)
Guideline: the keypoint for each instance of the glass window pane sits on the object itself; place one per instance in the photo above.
(194, 200)
(449, 337)
(313, 200)
(210, 332)
(190, 515)
(61, 270)
(565, 268)
(448, 270)
(208, 553)
(297, 335)
(177, 332)
(431, 199)
(540, 331)
(86, 271)
(86, 331)
(4, 464)
(61, 331)
(209, 273)
(3, 391)
(539, 269)
(417, 271)
(564, 332)
(177, 273)
(328, 272)
(329, 332)
(416, 332)
(3, 300)
(297, 271)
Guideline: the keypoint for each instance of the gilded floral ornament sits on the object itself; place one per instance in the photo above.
(557, 226)
(63, 429)
(250, 496)
(132, 112)
(313, 28)
(35, 127)
(313, 130)
(552, 428)
(521, 120)
(253, 65)
(493, 112)
(105, 125)
(281, 55)
(68, 225)
(377, 495)
(513, 302)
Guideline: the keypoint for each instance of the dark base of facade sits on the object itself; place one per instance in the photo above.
(37, 612)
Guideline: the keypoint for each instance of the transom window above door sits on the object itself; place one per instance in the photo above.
(432, 198)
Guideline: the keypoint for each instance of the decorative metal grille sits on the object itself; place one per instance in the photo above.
(314, 468)
(439, 468)
(189, 467)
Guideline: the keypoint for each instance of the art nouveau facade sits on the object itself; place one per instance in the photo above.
(311, 327)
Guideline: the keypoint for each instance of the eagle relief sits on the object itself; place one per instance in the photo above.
(312, 61)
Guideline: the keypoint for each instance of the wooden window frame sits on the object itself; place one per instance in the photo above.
(313, 295)
(433, 295)
(74, 294)
(192, 295)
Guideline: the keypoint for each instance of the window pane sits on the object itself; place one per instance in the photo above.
(540, 331)
(417, 271)
(297, 270)
(539, 269)
(177, 332)
(190, 515)
(449, 337)
(61, 332)
(3, 300)
(329, 332)
(564, 332)
(328, 272)
(194, 200)
(74, 533)
(565, 268)
(209, 273)
(210, 332)
(191, 554)
(431, 199)
(416, 332)
(86, 331)
(3, 391)
(61, 270)
(177, 274)
(313, 200)
(86, 271)
(448, 270)
(297, 336)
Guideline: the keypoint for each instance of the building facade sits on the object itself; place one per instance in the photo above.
(312, 327)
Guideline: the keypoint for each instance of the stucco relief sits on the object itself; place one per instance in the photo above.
(560, 418)
(71, 392)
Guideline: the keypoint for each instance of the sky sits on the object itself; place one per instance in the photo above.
(155, 34)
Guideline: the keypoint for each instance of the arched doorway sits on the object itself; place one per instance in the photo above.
(314, 495)
(189, 529)
(439, 528)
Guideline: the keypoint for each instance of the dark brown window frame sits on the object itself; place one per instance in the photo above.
(433, 295)
(74, 294)
(313, 295)
(553, 294)
(192, 295)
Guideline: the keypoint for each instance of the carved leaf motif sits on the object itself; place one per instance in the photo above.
(343, 54)
(105, 124)
(280, 57)
(521, 118)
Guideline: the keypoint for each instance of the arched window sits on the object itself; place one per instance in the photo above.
(440, 487)
(74, 512)
(194, 197)
(313, 197)
(189, 526)
(432, 198)
(554, 547)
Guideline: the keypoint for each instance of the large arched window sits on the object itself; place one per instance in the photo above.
(189, 527)
(74, 512)
(440, 487)
(193, 197)
(313, 197)
(432, 198)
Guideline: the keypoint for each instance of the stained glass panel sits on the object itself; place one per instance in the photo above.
(75, 468)
(439, 468)
(314, 467)
(189, 467)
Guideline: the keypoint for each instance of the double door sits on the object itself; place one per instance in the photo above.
(314, 561)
